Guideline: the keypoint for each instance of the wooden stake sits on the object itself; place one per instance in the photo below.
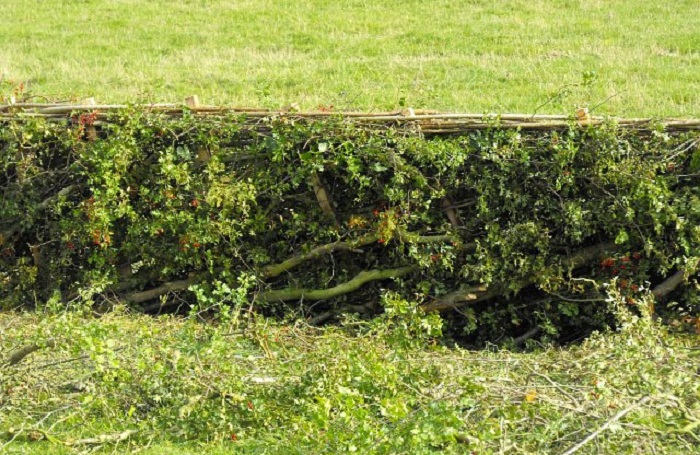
(323, 196)
(192, 102)
(90, 130)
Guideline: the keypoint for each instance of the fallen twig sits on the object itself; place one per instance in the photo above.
(104, 438)
(607, 425)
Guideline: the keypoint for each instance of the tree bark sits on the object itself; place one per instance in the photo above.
(20, 354)
(669, 284)
(173, 286)
(341, 289)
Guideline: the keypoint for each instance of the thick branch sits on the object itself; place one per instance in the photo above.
(669, 284)
(20, 354)
(450, 210)
(402, 235)
(341, 289)
(461, 297)
(323, 196)
(526, 336)
(587, 255)
(466, 296)
(272, 271)
(173, 286)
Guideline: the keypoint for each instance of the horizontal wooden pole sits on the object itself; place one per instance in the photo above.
(426, 121)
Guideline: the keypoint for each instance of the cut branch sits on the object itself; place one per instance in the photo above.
(401, 235)
(587, 255)
(526, 336)
(323, 317)
(323, 196)
(21, 353)
(669, 284)
(272, 271)
(341, 289)
(104, 438)
(470, 295)
(461, 297)
(449, 208)
(173, 286)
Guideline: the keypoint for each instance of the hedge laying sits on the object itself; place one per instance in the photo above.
(497, 228)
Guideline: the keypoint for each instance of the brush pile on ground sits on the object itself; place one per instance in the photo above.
(126, 383)
(520, 231)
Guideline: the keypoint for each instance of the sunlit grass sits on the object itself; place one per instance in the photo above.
(297, 389)
(474, 56)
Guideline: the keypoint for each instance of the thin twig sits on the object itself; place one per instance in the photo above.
(569, 299)
(607, 425)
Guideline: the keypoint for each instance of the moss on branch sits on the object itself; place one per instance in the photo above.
(344, 288)
(401, 235)
(272, 271)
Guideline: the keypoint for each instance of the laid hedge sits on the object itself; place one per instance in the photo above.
(505, 232)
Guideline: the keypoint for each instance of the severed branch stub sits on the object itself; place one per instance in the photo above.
(669, 284)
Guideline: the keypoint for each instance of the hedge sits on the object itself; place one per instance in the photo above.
(506, 232)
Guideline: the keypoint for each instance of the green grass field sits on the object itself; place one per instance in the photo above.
(470, 56)
(265, 387)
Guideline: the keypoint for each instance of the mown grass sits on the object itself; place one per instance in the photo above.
(477, 55)
(184, 386)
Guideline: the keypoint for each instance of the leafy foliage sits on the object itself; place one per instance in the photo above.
(156, 204)
(254, 386)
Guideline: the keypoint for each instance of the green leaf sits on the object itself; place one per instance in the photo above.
(622, 237)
